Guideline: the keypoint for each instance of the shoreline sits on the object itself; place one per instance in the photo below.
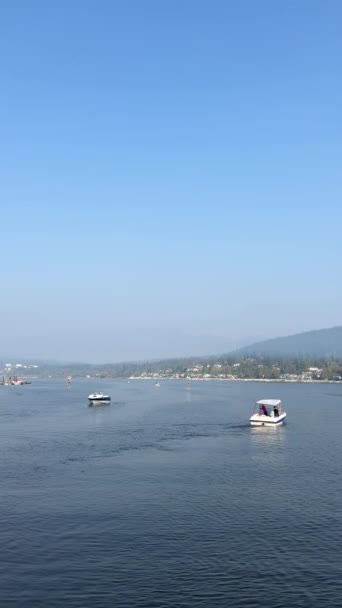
(276, 380)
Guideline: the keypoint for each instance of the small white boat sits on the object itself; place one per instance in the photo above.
(157, 384)
(98, 398)
(269, 413)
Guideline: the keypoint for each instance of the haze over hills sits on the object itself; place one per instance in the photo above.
(317, 343)
(323, 343)
(116, 345)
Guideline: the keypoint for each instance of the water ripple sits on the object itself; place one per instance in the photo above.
(158, 501)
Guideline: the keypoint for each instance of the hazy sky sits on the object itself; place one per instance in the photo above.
(170, 175)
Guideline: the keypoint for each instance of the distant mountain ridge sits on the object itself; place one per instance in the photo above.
(316, 343)
(322, 344)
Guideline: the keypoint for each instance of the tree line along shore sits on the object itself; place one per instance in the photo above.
(282, 369)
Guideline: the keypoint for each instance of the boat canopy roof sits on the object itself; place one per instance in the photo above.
(271, 402)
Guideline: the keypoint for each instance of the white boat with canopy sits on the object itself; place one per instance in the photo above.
(267, 412)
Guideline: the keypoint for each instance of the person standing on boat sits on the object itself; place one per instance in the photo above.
(264, 410)
(276, 411)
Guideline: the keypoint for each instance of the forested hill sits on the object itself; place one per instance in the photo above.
(319, 343)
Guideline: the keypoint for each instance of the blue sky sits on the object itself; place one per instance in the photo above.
(170, 175)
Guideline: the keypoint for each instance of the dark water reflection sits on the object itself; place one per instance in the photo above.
(168, 498)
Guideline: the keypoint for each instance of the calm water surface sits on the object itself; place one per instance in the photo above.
(168, 498)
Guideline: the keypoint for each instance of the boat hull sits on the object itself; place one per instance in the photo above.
(262, 420)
